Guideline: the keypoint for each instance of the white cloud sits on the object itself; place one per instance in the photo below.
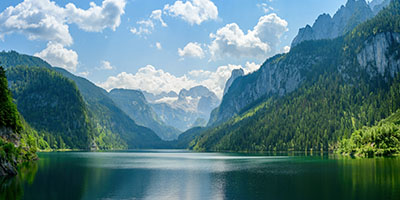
(261, 42)
(149, 79)
(45, 20)
(158, 46)
(286, 49)
(157, 15)
(193, 11)
(58, 56)
(84, 74)
(96, 18)
(40, 19)
(192, 50)
(265, 7)
(147, 26)
(156, 80)
(105, 65)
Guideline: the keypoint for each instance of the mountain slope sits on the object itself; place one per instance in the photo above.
(316, 94)
(15, 142)
(382, 139)
(111, 127)
(51, 103)
(109, 119)
(344, 20)
(134, 104)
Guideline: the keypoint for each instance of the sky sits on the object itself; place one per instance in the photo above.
(156, 45)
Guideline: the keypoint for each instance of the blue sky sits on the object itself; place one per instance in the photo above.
(110, 52)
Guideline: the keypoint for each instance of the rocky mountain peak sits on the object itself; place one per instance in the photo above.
(345, 19)
(235, 74)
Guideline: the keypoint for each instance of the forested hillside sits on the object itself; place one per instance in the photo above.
(18, 142)
(115, 128)
(351, 82)
(70, 111)
(51, 104)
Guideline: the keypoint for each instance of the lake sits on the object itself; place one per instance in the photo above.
(173, 174)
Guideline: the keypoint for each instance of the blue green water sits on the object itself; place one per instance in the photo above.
(187, 175)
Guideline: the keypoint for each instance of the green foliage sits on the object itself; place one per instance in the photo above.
(112, 124)
(51, 104)
(9, 117)
(12, 59)
(336, 97)
(380, 140)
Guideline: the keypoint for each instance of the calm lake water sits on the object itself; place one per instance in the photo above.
(187, 175)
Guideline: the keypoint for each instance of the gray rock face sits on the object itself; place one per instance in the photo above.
(345, 19)
(375, 57)
(273, 78)
(380, 56)
(235, 74)
(182, 110)
(377, 5)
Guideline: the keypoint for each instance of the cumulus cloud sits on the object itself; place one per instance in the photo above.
(149, 79)
(58, 56)
(96, 18)
(105, 65)
(147, 26)
(231, 41)
(192, 50)
(158, 46)
(40, 19)
(157, 80)
(193, 11)
(45, 20)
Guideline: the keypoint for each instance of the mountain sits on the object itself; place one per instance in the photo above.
(133, 103)
(182, 110)
(16, 143)
(378, 5)
(344, 20)
(235, 74)
(314, 95)
(51, 103)
(113, 125)
(185, 139)
(101, 123)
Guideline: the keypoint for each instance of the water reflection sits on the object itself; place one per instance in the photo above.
(187, 175)
(13, 187)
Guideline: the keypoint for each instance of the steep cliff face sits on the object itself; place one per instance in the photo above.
(344, 20)
(235, 74)
(279, 75)
(380, 55)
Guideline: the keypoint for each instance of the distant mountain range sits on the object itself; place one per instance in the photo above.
(344, 20)
(133, 103)
(184, 110)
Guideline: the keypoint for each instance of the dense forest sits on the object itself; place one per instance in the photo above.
(382, 139)
(52, 105)
(70, 112)
(337, 97)
(18, 142)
